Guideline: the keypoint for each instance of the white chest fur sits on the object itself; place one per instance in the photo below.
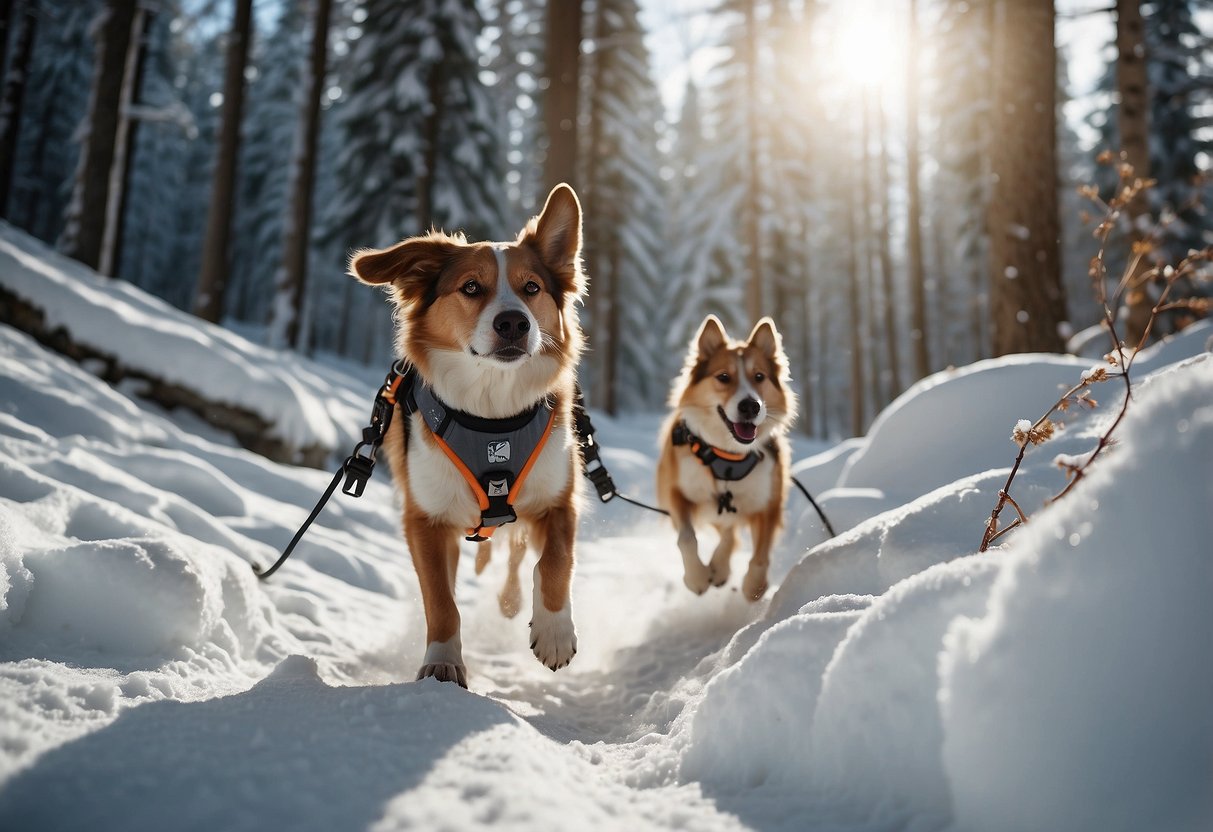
(751, 495)
(438, 489)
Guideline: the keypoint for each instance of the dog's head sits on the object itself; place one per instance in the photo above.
(734, 393)
(479, 317)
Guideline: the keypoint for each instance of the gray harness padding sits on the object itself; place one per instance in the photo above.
(494, 450)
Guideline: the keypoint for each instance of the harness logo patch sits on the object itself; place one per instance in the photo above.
(499, 451)
(497, 488)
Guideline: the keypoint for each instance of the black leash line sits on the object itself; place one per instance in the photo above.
(824, 520)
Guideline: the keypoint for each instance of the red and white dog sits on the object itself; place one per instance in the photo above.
(492, 331)
(725, 453)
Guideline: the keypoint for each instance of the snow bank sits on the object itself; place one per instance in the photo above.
(1058, 682)
(305, 404)
(1087, 684)
(955, 423)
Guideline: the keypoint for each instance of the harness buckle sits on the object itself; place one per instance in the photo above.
(358, 470)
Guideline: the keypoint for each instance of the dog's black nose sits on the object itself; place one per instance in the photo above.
(748, 408)
(511, 325)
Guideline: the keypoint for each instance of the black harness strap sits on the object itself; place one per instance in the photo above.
(722, 467)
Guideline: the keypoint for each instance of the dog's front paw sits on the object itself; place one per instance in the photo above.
(553, 637)
(718, 574)
(445, 672)
(754, 586)
(697, 579)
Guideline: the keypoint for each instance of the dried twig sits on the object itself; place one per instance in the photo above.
(1119, 359)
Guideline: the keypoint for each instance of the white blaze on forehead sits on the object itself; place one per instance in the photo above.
(745, 390)
(505, 299)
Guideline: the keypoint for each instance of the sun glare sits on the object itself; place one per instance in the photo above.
(869, 45)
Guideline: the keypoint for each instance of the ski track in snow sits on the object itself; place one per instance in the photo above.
(890, 680)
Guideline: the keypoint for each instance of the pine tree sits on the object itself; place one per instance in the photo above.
(12, 98)
(624, 208)
(516, 57)
(704, 249)
(269, 132)
(209, 299)
(84, 223)
(419, 146)
(1027, 300)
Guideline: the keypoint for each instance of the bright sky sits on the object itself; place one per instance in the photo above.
(681, 34)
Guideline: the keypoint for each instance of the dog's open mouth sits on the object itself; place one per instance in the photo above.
(743, 432)
(508, 354)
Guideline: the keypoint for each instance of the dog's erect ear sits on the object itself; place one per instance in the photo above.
(766, 338)
(556, 236)
(711, 336)
(409, 265)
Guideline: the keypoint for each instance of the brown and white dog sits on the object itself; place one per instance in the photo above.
(492, 330)
(724, 450)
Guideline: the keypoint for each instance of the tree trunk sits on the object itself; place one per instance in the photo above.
(13, 97)
(886, 257)
(212, 282)
(1133, 124)
(560, 104)
(918, 280)
(601, 353)
(753, 205)
(85, 217)
(296, 235)
(1027, 302)
(124, 144)
(867, 244)
(857, 402)
(431, 132)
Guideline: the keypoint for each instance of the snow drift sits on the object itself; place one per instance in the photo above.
(893, 680)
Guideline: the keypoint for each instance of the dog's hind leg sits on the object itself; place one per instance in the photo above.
(484, 553)
(435, 552)
(553, 636)
(510, 599)
(718, 567)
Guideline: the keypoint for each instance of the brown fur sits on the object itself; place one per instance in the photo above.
(426, 276)
(685, 486)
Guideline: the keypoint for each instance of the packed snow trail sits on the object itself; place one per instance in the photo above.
(892, 679)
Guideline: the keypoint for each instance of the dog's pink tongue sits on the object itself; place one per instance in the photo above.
(745, 430)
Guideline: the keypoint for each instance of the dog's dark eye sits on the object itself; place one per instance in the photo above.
(531, 288)
(723, 378)
(758, 377)
(471, 288)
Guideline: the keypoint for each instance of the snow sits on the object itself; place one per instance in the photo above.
(306, 405)
(893, 679)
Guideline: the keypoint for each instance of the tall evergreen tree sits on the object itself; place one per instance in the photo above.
(269, 131)
(84, 224)
(419, 146)
(1026, 299)
(216, 249)
(624, 209)
(517, 64)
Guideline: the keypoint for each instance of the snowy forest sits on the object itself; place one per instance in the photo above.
(969, 492)
(836, 164)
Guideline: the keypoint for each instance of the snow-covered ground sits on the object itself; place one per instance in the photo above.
(893, 679)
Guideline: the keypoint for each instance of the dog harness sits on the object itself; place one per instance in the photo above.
(723, 465)
(493, 455)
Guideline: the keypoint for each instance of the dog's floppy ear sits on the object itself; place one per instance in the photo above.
(765, 337)
(711, 336)
(409, 266)
(556, 236)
